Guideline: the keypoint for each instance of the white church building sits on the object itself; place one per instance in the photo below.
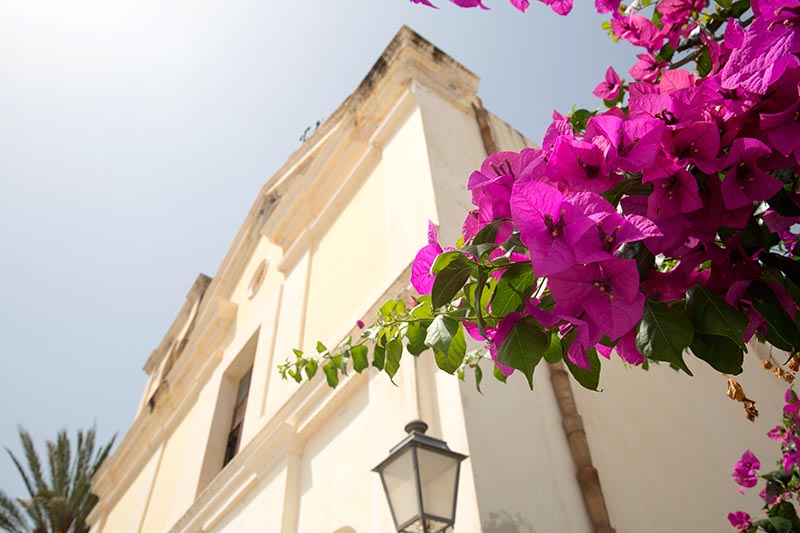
(221, 443)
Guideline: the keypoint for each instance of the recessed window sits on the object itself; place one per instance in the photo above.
(235, 434)
(226, 435)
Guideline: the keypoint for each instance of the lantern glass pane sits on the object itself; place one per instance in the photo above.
(438, 478)
(401, 487)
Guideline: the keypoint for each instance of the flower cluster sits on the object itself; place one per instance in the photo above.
(562, 7)
(665, 224)
(782, 485)
(680, 199)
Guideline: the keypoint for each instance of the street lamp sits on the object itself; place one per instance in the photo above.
(420, 478)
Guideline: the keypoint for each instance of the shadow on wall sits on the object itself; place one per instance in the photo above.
(345, 530)
(505, 522)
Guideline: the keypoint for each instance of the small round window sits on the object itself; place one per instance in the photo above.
(257, 279)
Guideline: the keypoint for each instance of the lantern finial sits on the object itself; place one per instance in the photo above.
(416, 426)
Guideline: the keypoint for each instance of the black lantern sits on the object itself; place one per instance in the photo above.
(420, 478)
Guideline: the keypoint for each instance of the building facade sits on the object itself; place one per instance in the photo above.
(221, 443)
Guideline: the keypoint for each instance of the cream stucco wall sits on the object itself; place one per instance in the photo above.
(664, 443)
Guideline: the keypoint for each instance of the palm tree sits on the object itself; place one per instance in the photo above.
(61, 503)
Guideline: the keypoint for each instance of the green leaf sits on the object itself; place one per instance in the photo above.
(523, 347)
(451, 359)
(359, 356)
(513, 289)
(553, 353)
(345, 357)
(784, 205)
(579, 118)
(298, 353)
(321, 347)
(480, 250)
(478, 377)
(331, 374)
(739, 8)
(782, 331)
(789, 267)
(488, 233)
(311, 368)
(721, 353)
(663, 334)
(779, 524)
(712, 315)
(704, 63)
(444, 259)
(440, 333)
(387, 308)
(451, 278)
(379, 356)
(415, 334)
(423, 307)
(589, 379)
(478, 303)
(498, 374)
(394, 352)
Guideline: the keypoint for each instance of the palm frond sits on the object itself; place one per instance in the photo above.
(63, 504)
(11, 516)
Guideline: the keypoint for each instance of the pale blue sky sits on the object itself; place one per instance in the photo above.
(134, 136)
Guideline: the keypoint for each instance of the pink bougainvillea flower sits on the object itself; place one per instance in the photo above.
(587, 336)
(674, 189)
(522, 5)
(677, 11)
(638, 146)
(625, 348)
(562, 7)
(791, 459)
(782, 226)
(697, 143)
(675, 80)
(421, 277)
(648, 68)
(606, 6)
(557, 128)
(582, 165)
(609, 89)
(608, 291)
(773, 10)
(745, 182)
(548, 224)
(424, 2)
(469, 3)
(635, 141)
(637, 30)
(783, 129)
(740, 521)
(778, 433)
(737, 297)
(766, 52)
(611, 230)
(734, 34)
(745, 471)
